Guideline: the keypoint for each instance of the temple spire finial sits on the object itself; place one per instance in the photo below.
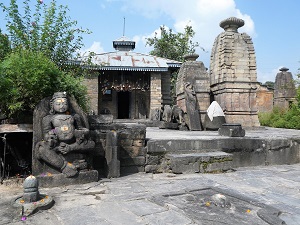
(124, 26)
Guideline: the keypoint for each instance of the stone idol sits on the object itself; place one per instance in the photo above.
(167, 119)
(61, 138)
(192, 111)
(215, 117)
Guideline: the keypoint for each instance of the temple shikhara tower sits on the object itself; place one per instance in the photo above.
(195, 74)
(233, 77)
(284, 89)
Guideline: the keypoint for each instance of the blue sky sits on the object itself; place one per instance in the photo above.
(273, 25)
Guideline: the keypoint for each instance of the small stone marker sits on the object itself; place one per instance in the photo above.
(232, 130)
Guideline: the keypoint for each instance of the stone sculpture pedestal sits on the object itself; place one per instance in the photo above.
(232, 130)
(168, 125)
(215, 124)
(57, 180)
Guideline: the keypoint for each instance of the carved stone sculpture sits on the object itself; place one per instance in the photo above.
(193, 118)
(167, 114)
(177, 114)
(61, 136)
(167, 119)
(32, 200)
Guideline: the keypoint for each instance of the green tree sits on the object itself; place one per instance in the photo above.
(34, 60)
(4, 46)
(26, 77)
(47, 28)
(270, 84)
(172, 45)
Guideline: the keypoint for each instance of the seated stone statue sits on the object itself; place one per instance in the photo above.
(65, 140)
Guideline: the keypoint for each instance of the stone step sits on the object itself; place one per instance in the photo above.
(204, 162)
(176, 146)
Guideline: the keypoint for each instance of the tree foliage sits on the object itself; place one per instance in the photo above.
(283, 118)
(47, 29)
(4, 46)
(26, 77)
(35, 55)
(270, 84)
(172, 45)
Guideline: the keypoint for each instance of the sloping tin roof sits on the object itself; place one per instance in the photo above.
(132, 61)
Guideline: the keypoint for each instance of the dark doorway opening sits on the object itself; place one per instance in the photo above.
(123, 104)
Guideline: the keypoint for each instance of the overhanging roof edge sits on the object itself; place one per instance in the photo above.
(163, 69)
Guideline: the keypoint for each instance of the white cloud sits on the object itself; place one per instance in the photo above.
(268, 76)
(141, 40)
(203, 15)
(95, 47)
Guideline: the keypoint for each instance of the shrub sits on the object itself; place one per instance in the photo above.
(281, 118)
(26, 77)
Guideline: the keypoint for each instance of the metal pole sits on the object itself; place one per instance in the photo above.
(124, 27)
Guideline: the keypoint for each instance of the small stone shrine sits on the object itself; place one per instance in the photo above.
(284, 89)
(192, 91)
(62, 146)
(233, 77)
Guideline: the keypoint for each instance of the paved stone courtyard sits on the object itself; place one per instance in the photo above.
(130, 199)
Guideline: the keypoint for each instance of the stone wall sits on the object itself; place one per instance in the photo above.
(131, 144)
(92, 89)
(264, 99)
(166, 88)
(155, 93)
(233, 76)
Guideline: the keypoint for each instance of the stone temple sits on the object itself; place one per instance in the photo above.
(284, 89)
(233, 77)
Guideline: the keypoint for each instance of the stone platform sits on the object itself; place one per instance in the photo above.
(177, 199)
(207, 151)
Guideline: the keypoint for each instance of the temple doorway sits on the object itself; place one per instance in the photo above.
(123, 104)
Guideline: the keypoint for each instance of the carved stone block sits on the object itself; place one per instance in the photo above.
(231, 130)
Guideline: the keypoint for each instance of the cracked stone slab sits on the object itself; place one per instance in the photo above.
(213, 205)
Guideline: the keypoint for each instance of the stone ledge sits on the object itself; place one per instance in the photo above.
(209, 162)
(56, 180)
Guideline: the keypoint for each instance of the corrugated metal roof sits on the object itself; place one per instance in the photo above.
(131, 61)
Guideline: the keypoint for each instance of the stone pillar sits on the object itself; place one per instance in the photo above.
(166, 88)
(92, 90)
(111, 154)
(155, 93)
(195, 73)
(284, 89)
(233, 76)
